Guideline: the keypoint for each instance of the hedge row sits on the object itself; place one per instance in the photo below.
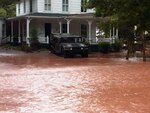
(106, 47)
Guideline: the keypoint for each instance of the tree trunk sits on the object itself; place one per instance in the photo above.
(144, 48)
(128, 53)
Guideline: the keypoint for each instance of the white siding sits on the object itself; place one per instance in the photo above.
(27, 6)
(40, 5)
(34, 7)
(56, 7)
(75, 6)
(21, 8)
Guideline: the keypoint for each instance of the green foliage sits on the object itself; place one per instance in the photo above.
(127, 13)
(34, 39)
(10, 47)
(117, 46)
(7, 8)
(104, 47)
(11, 10)
(3, 12)
(86, 43)
(5, 3)
(26, 48)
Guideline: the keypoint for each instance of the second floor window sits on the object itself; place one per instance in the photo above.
(18, 8)
(24, 2)
(30, 5)
(47, 5)
(65, 5)
(83, 5)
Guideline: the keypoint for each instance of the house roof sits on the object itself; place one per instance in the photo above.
(54, 15)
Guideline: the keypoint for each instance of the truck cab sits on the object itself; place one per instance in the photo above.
(68, 45)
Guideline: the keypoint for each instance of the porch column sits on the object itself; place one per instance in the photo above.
(90, 30)
(12, 32)
(60, 27)
(110, 33)
(68, 25)
(117, 34)
(19, 37)
(113, 34)
(28, 30)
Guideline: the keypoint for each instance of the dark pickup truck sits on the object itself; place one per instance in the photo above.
(68, 45)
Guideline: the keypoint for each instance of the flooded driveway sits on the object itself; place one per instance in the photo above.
(45, 83)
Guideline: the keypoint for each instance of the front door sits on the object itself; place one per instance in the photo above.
(48, 30)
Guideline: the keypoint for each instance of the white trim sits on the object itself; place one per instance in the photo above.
(113, 34)
(19, 33)
(12, 31)
(28, 31)
(68, 26)
(90, 30)
(117, 32)
(60, 27)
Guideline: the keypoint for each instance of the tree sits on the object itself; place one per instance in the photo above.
(5, 3)
(127, 14)
(7, 8)
(3, 12)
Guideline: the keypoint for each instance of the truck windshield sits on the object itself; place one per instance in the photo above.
(71, 40)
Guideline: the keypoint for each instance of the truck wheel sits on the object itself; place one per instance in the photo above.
(65, 54)
(84, 55)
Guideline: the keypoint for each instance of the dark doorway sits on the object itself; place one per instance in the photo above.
(48, 30)
(30, 6)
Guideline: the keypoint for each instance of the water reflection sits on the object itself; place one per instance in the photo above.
(34, 83)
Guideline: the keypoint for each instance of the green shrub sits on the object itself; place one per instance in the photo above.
(10, 46)
(34, 39)
(26, 48)
(104, 47)
(117, 46)
(6, 46)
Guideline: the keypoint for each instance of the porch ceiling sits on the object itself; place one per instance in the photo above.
(56, 15)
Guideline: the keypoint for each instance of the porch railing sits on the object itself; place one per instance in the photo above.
(44, 40)
(98, 40)
(5, 40)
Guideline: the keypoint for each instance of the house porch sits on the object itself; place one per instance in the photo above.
(45, 24)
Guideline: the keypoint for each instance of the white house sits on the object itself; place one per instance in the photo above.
(51, 16)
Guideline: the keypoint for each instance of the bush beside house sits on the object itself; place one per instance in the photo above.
(106, 47)
(34, 40)
(117, 46)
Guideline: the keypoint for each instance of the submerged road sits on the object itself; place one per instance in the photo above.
(45, 83)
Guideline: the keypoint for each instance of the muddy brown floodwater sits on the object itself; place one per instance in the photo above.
(45, 83)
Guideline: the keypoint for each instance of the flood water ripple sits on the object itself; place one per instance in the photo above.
(44, 83)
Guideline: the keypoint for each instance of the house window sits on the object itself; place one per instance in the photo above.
(83, 5)
(65, 5)
(18, 8)
(64, 28)
(30, 5)
(24, 2)
(47, 5)
(83, 30)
